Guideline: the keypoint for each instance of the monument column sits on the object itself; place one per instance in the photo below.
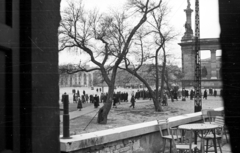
(213, 65)
(188, 35)
(188, 53)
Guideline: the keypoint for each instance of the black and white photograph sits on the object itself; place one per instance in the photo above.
(119, 76)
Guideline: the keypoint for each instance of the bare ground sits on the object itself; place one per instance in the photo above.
(143, 112)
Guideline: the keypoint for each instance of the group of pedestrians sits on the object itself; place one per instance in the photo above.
(185, 93)
(119, 97)
(84, 98)
(123, 97)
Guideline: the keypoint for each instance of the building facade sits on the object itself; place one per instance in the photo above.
(80, 79)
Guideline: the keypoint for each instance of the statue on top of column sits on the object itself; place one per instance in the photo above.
(188, 28)
(189, 5)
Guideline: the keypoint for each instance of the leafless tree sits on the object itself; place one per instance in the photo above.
(159, 32)
(104, 38)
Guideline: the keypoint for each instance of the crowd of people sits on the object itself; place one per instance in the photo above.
(96, 99)
(184, 93)
(123, 96)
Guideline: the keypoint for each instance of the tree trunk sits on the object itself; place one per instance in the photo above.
(157, 105)
(166, 81)
(163, 72)
(103, 111)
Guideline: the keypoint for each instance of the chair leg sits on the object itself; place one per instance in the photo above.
(164, 143)
(226, 136)
(170, 146)
(207, 146)
(219, 145)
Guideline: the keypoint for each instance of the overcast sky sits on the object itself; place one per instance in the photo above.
(209, 22)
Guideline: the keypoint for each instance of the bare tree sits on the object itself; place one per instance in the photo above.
(160, 35)
(104, 38)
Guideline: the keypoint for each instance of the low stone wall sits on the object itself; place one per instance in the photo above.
(137, 138)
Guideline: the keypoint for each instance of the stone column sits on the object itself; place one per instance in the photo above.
(80, 78)
(92, 78)
(84, 76)
(76, 79)
(213, 65)
(87, 80)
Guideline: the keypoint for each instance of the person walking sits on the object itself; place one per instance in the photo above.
(191, 94)
(74, 98)
(205, 94)
(96, 101)
(86, 96)
(78, 93)
(91, 99)
(164, 102)
(114, 100)
(132, 102)
(215, 93)
(83, 99)
(79, 103)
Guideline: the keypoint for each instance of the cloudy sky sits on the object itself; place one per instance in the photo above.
(209, 22)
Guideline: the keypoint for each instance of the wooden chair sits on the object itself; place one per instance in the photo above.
(212, 115)
(167, 136)
(205, 115)
(219, 120)
(183, 146)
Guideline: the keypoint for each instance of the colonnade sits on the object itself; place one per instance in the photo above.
(77, 79)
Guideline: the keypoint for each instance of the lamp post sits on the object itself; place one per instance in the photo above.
(197, 79)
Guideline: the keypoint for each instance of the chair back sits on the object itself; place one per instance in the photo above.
(175, 133)
(161, 123)
(205, 114)
(219, 120)
(212, 114)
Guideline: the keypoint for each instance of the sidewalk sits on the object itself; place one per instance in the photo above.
(84, 111)
(90, 109)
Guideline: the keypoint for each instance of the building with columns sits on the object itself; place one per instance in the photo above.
(80, 79)
(207, 64)
(212, 65)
